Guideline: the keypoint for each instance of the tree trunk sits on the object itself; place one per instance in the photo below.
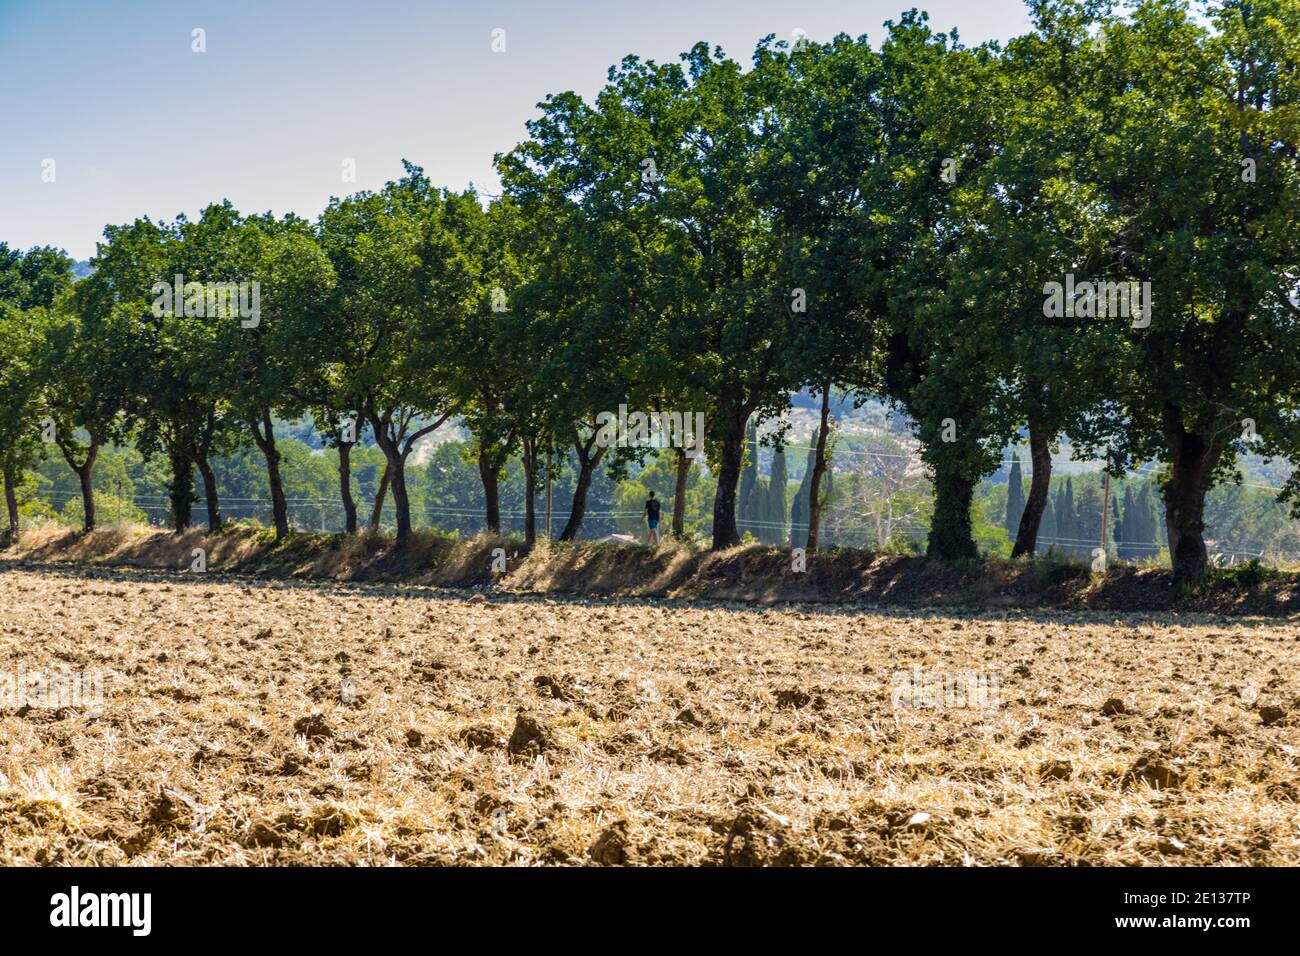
(578, 507)
(490, 475)
(1191, 460)
(530, 492)
(819, 469)
(181, 490)
(401, 500)
(84, 473)
(951, 538)
(396, 472)
(345, 488)
(210, 493)
(587, 463)
(279, 506)
(377, 512)
(1040, 483)
(731, 451)
(265, 439)
(11, 500)
(679, 494)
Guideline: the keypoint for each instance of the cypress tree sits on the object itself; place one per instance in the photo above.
(1015, 499)
(796, 506)
(1148, 530)
(1064, 524)
(828, 494)
(1056, 499)
(1047, 533)
(757, 517)
(1114, 524)
(758, 510)
(748, 482)
(776, 500)
(1124, 527)
(1067, 520)
(799, 506)
(1087, 514)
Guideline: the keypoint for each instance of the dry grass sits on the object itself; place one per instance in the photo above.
(748, 573)
(657, 731)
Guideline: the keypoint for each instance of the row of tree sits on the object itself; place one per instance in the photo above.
(762, 506)
(885, 219)
(763, 511)
(1071, 527)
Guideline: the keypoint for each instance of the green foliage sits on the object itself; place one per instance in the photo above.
(110, 508)
(747, 505)
(799, 513)
(774, 518)
(1049, 530)
(1138, 531)
(991, 538)
(1015, 499)
(30, 285)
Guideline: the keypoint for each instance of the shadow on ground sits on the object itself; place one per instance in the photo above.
(748, 574)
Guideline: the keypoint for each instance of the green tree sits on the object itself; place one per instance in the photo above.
(1205, 186)
(1035, 214)
(29, 286)
(1015, 498)
(749, 483)
(78, 396)
(1048, 532)
(1146, 533)
(1125, 526)
(934, 368)
(799, 504)
(774, 528)
(166, 360)
(1068, 532)
(825, 171)
(586, 322)
(401, 269)
(266, 357)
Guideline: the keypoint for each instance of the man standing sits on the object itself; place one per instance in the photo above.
(652, 518)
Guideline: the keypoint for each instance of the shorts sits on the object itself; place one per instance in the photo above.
(653, 522)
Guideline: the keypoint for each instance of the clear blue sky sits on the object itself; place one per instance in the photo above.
(137, 124)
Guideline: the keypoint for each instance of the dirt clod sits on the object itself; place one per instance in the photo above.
(1271, 714)
(792, 698)
(313, 727)
(1055, 770)
(610, 848)
(530, 736)
(1153, 770)
(482, 737)
(1113, 706)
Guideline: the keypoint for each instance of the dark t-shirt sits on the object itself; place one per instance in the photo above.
(652, 509)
